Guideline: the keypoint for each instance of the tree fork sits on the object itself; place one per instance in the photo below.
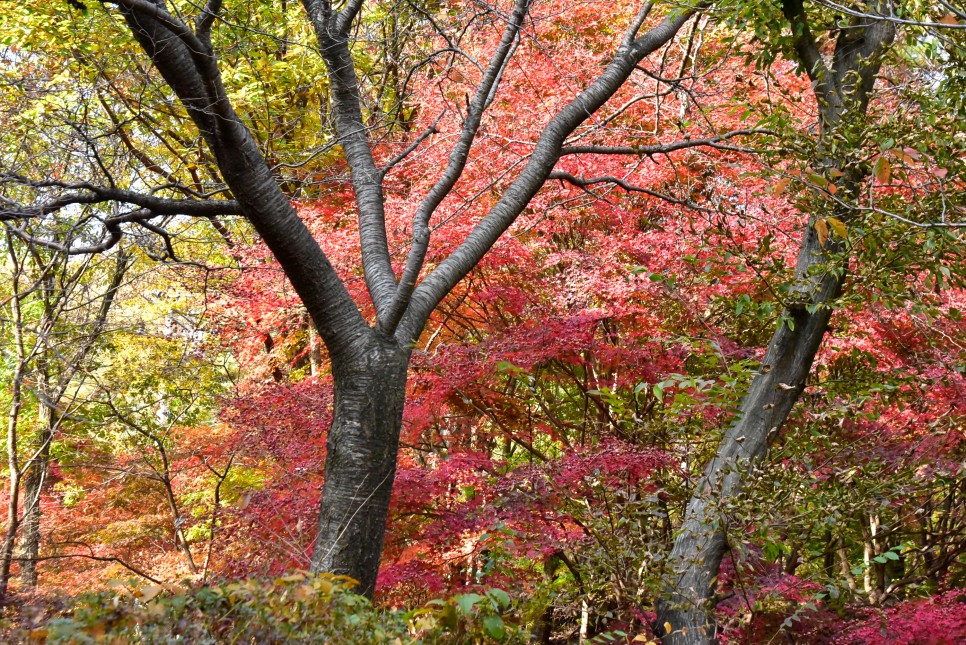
(369, 366)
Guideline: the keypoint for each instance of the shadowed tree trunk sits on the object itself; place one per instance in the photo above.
(32, 490)
(701, 542)
(685, 611)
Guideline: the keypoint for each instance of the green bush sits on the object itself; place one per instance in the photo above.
(296, 608)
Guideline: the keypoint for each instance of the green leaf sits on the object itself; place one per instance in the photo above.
(500, 597)
(494, 627)
(467, 600)
(449, 619)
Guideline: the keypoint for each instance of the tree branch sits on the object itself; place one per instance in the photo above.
(206, 19)
(84, 193)
(518, 195)
(890, 17)
(345, 17)
(428, 132)
(582, 182)
(858, 54)
(96, 558)
(807, 50)
(458, 157)
(710, 142)
(154, 26)
(351, 130)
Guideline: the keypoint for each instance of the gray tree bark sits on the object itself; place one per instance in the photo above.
(685, 611)
(360, 465)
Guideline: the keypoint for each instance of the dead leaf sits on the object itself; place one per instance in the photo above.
(822, 229)
(882, 171)
(150, 592)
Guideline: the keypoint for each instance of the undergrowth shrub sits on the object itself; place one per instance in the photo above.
(296, 608)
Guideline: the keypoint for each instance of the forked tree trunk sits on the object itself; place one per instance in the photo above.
(368, 366)
(370, 389)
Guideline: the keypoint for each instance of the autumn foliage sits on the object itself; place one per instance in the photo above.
(567, 394)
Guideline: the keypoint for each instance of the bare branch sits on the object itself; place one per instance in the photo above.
(635, 27)
(196, 48)
(84, 193)
(163, 234)
(96, 558)
(206, 19)
(352, 135)
(458, 157)
(856, 13)
(709, 142)
(113, 237)
(807, 49)
(957, 11)
(428, 132)
(344, 20)
(582, 182)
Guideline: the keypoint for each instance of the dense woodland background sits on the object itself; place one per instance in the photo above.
(167, 396)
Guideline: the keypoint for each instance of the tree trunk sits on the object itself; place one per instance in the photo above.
(13, 426)
(33, 488)
(684, 613)
(370, 388)
(34, 479)
(13, 523)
